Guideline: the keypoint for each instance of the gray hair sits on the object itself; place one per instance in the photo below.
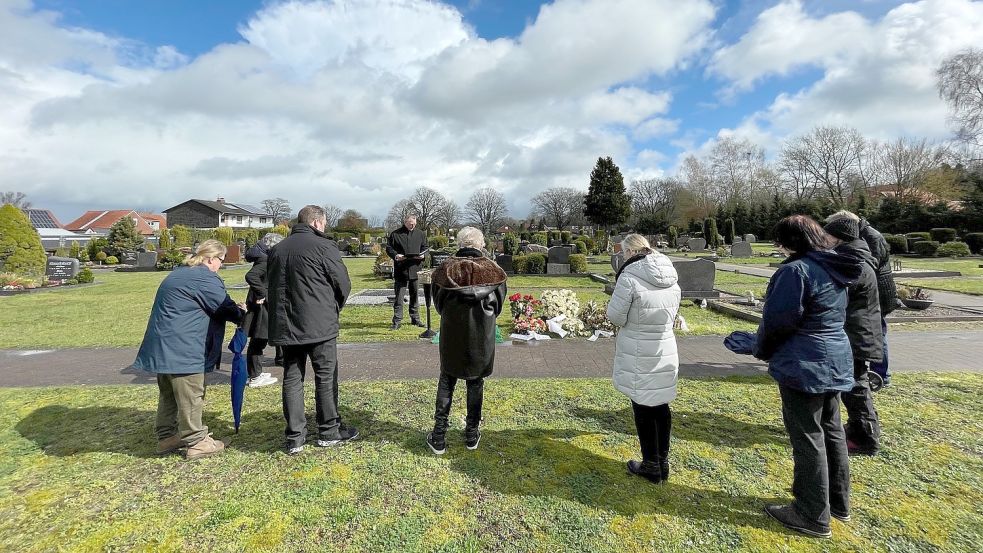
(841, 215)
(636, 243)
(470, 237)
(271, 239)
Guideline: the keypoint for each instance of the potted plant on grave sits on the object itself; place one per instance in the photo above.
(917, 298)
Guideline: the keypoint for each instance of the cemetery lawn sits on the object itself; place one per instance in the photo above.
(79, 473)
(964, 285)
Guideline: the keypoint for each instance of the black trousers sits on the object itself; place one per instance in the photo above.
(445, 395)
(821, 474)
(414, 289)
(654, 425)
(324, 361)
(254, 356)
(863, 427)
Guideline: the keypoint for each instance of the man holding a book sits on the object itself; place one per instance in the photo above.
(407, 246)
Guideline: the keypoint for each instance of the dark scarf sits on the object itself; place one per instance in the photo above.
(629, 261)
(469, 252)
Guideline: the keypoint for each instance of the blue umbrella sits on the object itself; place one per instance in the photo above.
(239, 376)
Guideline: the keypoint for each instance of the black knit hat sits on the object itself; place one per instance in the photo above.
(845, 229)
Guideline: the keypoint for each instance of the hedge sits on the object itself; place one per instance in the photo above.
(578, 263)
(919, 235)
(954, 249)
(538, 238)
(975, 241)
(926, 248)
(897, 243)
(536, 263)
(520, 264)
(943, 235)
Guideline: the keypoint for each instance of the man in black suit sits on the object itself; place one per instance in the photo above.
(407, 247)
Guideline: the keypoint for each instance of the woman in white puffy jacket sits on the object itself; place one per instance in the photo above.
(646, 363)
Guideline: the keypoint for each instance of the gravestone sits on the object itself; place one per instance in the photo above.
(233, 254)
(536, 248)
(696, 278)
(437, 258)
(558, 268)
(696, 244)
(128, 258)
(499, 246)
(147, 259)
(61, 268)
(558, 255)
(749, 238)
(741, 249)
(738, 239)
(505, 262)
(617, 260)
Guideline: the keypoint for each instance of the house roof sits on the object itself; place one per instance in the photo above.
(102, 220)
(159, 217)
(42, 218)
(230, 208)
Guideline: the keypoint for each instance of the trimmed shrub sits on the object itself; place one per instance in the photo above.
(673, 236)
(101, 257)
(919, 235)
(225, 235)
(85, 276)
(167, 260)
(581, 247)
(164, 240)
(524, 236)
(926, 248)
(975, 241)
(520, 264)
(589, 242)
(123, 237)
(954, 249)
(578, 263)
(536, 264)
(182, 236)
(538, 238)
(282, 230)
(710, 230)
(510, 244)
(354, 249)
(149, 247)
(21, 251)
(601, 238)
(897, 243)
(566, 236)
(438, 242)
(943, 235)
(112, 260)
(729, 231)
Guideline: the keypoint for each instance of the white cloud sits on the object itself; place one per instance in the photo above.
(353, 103)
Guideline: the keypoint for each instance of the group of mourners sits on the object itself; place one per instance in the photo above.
(823, 324)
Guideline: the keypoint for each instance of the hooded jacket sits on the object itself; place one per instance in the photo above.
(644, 304)
(887, 290)
(256, 322)
(469, 294)
(863, 311)
(307, 285)
(801, 332)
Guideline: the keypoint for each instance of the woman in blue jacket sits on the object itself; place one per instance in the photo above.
(801, 336)
(183, 341)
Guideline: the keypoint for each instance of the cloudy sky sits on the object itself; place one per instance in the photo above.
(117, 104)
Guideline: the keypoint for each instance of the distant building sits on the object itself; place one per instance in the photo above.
(53, 234)
(98, 223)
(157, 221)
(218, 213)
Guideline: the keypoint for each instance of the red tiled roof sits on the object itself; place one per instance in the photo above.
(102, 220)
(159, 217)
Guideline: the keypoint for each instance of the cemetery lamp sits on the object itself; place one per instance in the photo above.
(425, 277)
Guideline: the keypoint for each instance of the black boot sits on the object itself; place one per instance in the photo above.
(646, 469)
(664, 467)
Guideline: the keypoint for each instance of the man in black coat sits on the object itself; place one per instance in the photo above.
(407, 247)
(307, 286)
(863, 327)
(886, 288)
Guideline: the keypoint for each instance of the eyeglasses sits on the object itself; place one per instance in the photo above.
(222, 259)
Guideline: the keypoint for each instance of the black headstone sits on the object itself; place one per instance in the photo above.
(437, 258)
(505, 262)
(128, 258)
(558, 254)
(147, 259)
(61, 268)
(696, 276)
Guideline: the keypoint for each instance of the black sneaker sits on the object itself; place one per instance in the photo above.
(790, 519)
(842, 517)
(419, 323)
(394, 326)
(471, 438)
(437, 445)
(346, 433)
(647, 470)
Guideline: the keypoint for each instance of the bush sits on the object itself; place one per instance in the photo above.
(123, 237)
(919, 235)
(926, 248)
(975, 241)
(438, 242)
(354, 248)
(282, 230)
(524, 236)
(729, 231)
(897, 243)
(578, 263)
(182, 236)
(164, 240)
(85, 276)
(225, 235)
(520, 264)
(538, 238)
(112, 260)
(510, 244)
(101, 257)
(149, 247)
(954, 249)
(167, 260)
(591, 244)
(673, 236)
(565, 236)
(536, 264)
(581, 247)
(20, 245)
(943, 235)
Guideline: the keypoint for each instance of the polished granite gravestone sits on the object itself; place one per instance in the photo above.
(696, 278)
(505, 262)
(697, 245)
(741, 249)
(61, 268)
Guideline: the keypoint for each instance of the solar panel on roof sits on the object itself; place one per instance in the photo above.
(41, 218)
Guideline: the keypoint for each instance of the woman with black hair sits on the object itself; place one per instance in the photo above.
(801, 336)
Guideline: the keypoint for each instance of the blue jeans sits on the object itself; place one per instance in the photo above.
(881, 367)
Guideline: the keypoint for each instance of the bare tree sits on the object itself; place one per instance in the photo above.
(376, 221)
(907, 162)
(559, 205)
(486, 208)
(960, 84)
(735, 164)
(448, 215)
(655, 197)
(279, 208)
(351, 220)
(398, 212)
(16, 199)
(831, 156)
(427, 202)
(332, 213)
(699, 181)
(797, 181)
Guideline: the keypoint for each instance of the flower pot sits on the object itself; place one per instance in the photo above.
(918, 304)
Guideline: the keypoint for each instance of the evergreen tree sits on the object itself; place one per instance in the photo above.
(164, 240)
(21, 252)
(123, 237)
(729, 231)
(606, 203)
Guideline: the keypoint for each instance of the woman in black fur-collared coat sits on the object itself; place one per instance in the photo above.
(469, 294)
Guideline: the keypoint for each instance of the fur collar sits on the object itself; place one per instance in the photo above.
(461, 272)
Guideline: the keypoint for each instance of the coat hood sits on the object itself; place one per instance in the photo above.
(654, 268)
(844, 270)
(859, 251)
(460, 273)
(258, 252)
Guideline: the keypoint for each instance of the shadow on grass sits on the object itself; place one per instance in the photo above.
(711, 428)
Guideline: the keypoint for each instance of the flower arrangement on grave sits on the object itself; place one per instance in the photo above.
(594, 315)
(526, 314)
(563, 302)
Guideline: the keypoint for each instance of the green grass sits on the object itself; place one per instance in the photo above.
(78, 473)
(965, 285)
(737, 283)
(968, 267)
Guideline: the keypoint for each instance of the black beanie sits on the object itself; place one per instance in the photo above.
(845, 229)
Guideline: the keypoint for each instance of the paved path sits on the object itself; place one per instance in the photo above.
(700, 356)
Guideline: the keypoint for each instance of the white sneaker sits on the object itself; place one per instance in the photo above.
(266, 374)
(261, 380)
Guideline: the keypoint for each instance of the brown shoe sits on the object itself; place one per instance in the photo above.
(169, 445)
(207, 446)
